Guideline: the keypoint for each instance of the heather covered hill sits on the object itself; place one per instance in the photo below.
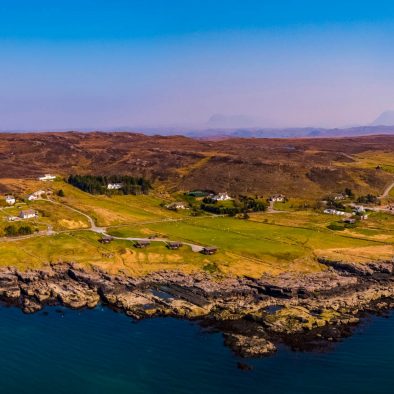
(298, 167)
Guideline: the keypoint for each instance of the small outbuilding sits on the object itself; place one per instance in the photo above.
(174, 245)
(106, 239)
(209, 250)
(141, 244)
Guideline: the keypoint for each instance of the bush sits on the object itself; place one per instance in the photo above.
(368, 199)
(13, 231)
(336, 227)
(211, 268)
(25, 230)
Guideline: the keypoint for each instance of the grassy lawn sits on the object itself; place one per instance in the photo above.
(115, 210)
(268, 242)
(60, 217)
(83, 247)
(264, 247)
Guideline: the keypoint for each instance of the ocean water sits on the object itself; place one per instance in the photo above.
(101, 351)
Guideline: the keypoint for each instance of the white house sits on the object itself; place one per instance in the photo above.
(221, 197)
(36, 195)
(114, 186)
(339, 196)
(28, 214)
(176, 205)
(10, 200)
(277, 198)
(47, 177)
(334, 212)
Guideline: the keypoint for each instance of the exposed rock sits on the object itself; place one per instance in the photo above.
(249, 346)
(254, 313)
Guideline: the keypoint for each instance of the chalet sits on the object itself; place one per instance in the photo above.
(277, 198)
(114, 186)
(174, 245)
(10, 200)
(28, 214)
(209, 250)
(176, 205)
(47, 177)
(106, 239)
(349, 221)
(330, 211)
(141, 244)
(221, 197)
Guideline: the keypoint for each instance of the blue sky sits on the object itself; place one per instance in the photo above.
(103, 64)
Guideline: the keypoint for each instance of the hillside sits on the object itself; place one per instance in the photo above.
(297, 167)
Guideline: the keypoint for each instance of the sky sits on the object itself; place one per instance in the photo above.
(187, 63)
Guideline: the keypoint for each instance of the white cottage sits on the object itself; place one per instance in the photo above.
(221, 197)
(28, 214)
(47, 177)
(114, 186)
(10, 200)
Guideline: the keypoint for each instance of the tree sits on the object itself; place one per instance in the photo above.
(25, 230)
(349, 193)
(11, 231)
(60, 193)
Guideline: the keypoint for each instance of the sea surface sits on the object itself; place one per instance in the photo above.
(101, 351)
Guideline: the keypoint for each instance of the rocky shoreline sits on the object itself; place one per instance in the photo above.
(255, 315)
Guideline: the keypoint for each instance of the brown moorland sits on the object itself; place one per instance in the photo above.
(298, 167)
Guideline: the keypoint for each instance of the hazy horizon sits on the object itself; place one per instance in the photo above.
(130, 64)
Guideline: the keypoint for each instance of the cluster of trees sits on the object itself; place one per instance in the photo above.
(243, 205)
(13, 231)
(98, 184)
(368, 199)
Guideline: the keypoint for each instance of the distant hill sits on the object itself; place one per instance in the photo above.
(303, 167)
(256, 132)
(215, 129)
(384, 119)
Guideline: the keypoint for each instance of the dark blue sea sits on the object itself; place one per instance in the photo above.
(101, 351)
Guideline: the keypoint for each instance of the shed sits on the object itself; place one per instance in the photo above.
(106, 239)
(209, 250)
(141, 244)
(174, 245)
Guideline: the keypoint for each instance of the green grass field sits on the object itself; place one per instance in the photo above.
(267, 242)
(115, 210)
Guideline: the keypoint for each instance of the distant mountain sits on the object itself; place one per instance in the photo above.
(384, 119)
(217, 133)
(230, 121)
(223, 132)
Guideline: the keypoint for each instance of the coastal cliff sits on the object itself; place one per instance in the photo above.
(255, 315)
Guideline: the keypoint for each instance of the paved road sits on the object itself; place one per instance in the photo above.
(103, 230)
